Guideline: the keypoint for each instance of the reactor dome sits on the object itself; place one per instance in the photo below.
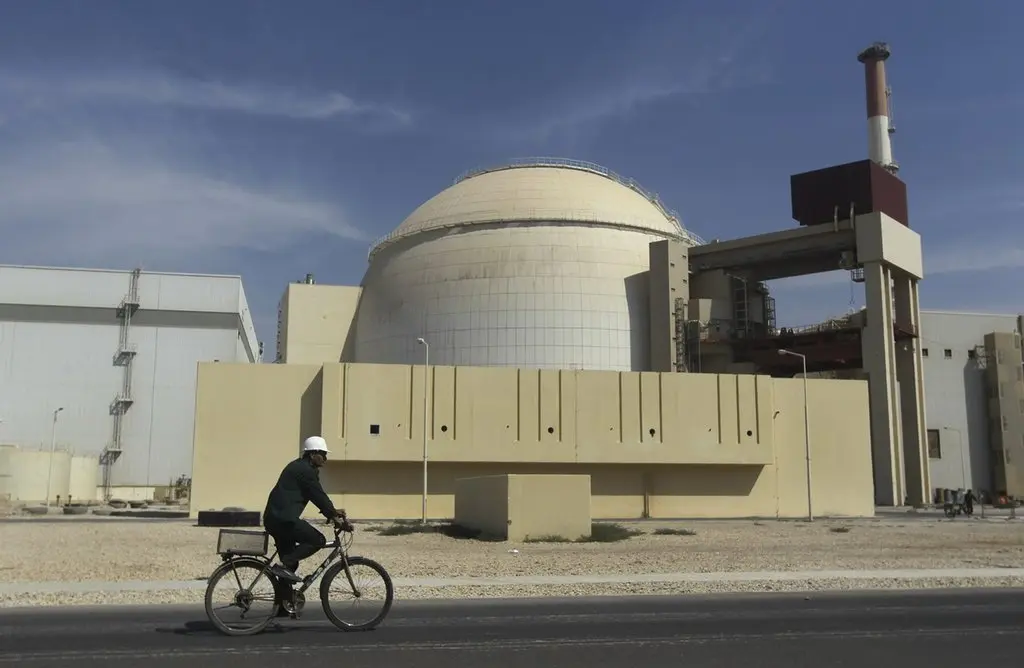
(537, 263)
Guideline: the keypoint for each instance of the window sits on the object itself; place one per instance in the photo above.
(948, 353)
(972, 353)
(924, 352)
(934, 449)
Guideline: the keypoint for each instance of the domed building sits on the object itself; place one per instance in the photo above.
(537, 263)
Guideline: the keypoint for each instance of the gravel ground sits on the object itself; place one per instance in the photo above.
(131, 550)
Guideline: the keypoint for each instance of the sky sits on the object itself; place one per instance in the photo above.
(273, 139)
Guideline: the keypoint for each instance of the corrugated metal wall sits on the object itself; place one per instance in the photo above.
(955, 395)
(59, 333)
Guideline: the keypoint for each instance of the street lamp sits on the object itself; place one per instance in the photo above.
(807, 431)
(426, 405)
(53, 442)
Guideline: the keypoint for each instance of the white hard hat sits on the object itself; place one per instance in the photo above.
(315, 444)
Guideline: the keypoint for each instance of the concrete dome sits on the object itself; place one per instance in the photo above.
(536, 264)
(549, 190)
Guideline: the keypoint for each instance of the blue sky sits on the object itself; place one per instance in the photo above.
(272, 139)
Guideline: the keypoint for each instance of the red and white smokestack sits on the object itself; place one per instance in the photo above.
(879, 146)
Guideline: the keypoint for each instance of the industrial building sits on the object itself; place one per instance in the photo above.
(974, 375)
(640, 355)
(588, 307)
(546, 264)
(549, 316)
(101, 364)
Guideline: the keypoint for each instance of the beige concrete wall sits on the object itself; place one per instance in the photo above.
(247, 427)
(666, 445)
(316, 321)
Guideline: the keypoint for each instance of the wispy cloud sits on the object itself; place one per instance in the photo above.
(93, 202)
(618, 100)
(164, 89)
(668, 60)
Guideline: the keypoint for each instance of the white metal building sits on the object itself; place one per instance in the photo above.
(104, 362)
(537, 263)
(957, 397)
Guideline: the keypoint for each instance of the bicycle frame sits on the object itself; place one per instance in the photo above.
(337, 547)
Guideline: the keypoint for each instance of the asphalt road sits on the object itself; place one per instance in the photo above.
(909, 629)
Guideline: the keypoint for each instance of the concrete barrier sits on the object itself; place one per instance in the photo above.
(520, 507)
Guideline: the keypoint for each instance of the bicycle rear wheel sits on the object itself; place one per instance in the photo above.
(250, 588)
(373, 593)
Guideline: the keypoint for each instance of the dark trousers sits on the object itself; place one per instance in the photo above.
(295, 541)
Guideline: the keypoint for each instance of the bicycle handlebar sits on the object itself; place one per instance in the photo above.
(341, 524)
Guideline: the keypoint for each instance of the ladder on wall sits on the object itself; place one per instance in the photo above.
(124, 357)
(680, 335)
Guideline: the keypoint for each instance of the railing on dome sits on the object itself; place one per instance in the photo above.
(593, 167)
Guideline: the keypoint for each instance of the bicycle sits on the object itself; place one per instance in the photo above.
(241, 550)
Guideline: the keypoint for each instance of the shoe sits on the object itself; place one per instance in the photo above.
(283, 573)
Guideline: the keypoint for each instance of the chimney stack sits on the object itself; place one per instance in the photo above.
(879, 127)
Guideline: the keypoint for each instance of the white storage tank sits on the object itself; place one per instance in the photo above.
(24, 474)
(538, 263)
(84, 478)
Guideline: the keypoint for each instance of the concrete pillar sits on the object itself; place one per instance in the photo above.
(913, 425)
(668, 280)
(878, 347)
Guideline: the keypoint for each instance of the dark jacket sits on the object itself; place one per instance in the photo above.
(298, 485)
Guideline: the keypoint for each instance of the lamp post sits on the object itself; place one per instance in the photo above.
(426, 408)
(53, 442)
(807, 431)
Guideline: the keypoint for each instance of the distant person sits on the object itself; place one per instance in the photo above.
(298, 485)
(969, 502)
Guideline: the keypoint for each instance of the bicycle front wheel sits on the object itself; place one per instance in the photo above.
(247, 601)
(366, 599)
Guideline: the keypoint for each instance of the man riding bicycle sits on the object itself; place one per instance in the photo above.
(298, 485)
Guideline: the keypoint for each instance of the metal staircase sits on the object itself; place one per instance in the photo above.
(770, 323)
(124, 357)
(741, 308)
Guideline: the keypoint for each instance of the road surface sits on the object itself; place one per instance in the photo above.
(908, 629)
